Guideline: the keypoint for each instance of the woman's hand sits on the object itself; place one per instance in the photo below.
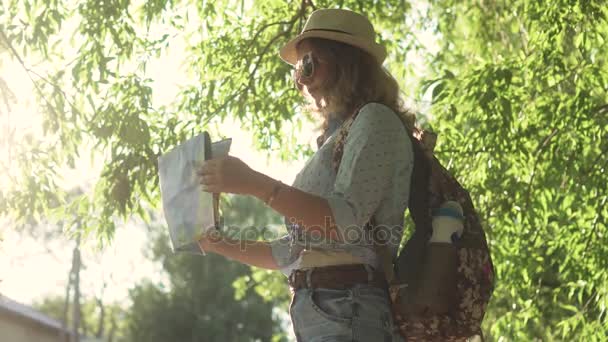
(256, 253)
(227, 174)
(208, 240)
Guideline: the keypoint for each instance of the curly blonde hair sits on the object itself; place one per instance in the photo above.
(357, 79)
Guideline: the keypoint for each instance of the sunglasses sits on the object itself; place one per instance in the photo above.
(305, 68)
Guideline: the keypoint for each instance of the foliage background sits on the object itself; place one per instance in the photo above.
(518, 94)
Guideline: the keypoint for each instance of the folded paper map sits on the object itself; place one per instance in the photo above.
(189, 211)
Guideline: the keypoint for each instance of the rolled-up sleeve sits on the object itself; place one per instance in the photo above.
(285, 253)
(281, 251)
(373, 148)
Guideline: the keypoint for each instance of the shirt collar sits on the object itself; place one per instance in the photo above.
(335, 121)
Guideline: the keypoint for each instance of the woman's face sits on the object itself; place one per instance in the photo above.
(313, 71)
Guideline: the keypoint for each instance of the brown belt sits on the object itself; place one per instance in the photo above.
(336, 277)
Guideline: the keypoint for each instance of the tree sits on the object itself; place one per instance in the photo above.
(520, 97)
(198, 303)
(518, 94)
(96, 91)
(249, 219)
(98, 319)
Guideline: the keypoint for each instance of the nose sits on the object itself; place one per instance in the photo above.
(303, 81)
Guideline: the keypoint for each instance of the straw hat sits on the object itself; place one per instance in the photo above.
(340, 25)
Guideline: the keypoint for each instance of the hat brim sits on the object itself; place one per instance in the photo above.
(289, 54)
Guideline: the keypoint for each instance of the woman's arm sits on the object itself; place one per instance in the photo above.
(231, 175)
(308, 211)
(254, 253)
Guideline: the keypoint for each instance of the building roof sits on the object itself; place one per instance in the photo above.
(25, 311)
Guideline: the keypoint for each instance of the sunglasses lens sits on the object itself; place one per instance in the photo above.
(304, 71)
(307, 66)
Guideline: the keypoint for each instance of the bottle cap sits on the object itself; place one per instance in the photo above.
(450, 209)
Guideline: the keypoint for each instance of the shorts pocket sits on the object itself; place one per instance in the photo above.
(333, 305)
(372, 292)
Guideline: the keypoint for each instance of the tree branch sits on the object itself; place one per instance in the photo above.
(595, 224)
(262, 29)
(29, 73)
(249, 86)
(27, 70)
(284, 33)
(311, 4)
(603, 153)
(472, 152)
(537, 154)
(539, 150)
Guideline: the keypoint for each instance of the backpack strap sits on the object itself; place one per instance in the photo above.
(384, 254)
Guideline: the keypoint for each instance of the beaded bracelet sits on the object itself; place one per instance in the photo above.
(273, 194)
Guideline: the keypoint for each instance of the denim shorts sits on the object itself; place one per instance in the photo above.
(361, 313)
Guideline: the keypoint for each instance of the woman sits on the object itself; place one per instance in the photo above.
(340, 294)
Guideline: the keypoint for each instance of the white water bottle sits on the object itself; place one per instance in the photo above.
(448, 223)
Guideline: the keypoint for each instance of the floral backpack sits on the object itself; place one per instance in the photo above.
(439, 291)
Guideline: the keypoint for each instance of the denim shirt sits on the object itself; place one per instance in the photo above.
(373, 180)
